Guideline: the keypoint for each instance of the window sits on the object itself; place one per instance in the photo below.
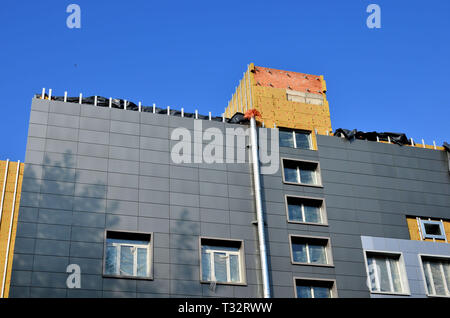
(432, 229)
(308, 288)
(295, 139)
(303, 97)
(305, 210)
(428, 229)
(310, 250)
(222, 261)
(386, 273)
(437, 275)
(301, 172)
(128, 255)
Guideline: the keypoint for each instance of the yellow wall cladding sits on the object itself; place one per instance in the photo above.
(8, 203)
(276, 109)
(414, 232)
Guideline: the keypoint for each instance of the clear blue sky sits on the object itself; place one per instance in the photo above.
(191, 54)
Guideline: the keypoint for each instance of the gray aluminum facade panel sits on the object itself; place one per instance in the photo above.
(91, 168)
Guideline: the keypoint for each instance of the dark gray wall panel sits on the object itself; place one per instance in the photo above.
(93, 168)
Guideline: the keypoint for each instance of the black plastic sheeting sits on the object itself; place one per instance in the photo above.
(397, 138)
(238, 118)
(446, 146)
(120, 104)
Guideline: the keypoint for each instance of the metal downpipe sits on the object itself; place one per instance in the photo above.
(259, 209)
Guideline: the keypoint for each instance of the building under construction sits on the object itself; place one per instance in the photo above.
(345, 214)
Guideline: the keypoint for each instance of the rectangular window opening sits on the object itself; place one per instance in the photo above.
(305, 210)
(310, 251)
(301, 172)
(386, 273)
(437, 275)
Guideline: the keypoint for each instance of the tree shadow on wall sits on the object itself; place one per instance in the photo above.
(189, 249)
(56, 200)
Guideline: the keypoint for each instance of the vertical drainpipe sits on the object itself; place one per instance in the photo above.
(259, 209)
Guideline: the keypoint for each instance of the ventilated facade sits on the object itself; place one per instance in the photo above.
(100, 190)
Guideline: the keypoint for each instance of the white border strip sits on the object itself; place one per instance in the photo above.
(4, 188)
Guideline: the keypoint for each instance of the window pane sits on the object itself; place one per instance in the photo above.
(126, 260)
(299, 253)
(295, 212)
(437, 278)
(321, 292)
(111, 260)
(302, 140)
(307, 176)
(220, 267)
(234, 268)
(396, 279)
(372, 274)
(286, 139)
(317, 254)
(383, 272)
(432, 229)
(446, 265)
(312, 214)
(142, 262)
(304, 292)
(290, 174)
(206, 266)
(427, 276)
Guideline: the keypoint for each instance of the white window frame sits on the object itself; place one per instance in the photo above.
(401, 270)
(216, 248)
(118, 245)
(435, 258)
(212, 265)
(135, 261)
(432, 236)
(327, 250)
